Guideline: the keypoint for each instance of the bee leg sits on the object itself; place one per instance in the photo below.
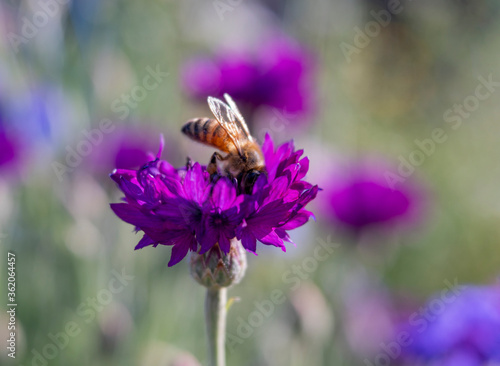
(212, 166)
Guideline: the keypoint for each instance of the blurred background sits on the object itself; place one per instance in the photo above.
(395, 103)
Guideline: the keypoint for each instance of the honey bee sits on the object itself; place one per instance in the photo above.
(229, 133)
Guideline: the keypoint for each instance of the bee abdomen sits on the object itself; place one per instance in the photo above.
(207, 131)
(194, 128)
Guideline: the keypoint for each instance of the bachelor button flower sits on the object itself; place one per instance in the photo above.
(277, 74)
(465, 332)
(187, 209)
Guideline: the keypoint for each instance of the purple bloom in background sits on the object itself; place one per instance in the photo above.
(9, 151)
(125, 147)
(277, 74)
(12, 150)
(464, 330)
(187, 209)
(362, 198)
(369, 317)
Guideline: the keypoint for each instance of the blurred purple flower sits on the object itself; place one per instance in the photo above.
(126, 147)
(189, 210)
(369, 317)
(22, 120)
(465, 332)
(11, 148)
(9, 151)
(362, 198)
(277, 74)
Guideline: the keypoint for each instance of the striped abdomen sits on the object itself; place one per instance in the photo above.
(208, 131)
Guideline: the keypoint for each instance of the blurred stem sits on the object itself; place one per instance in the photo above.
(215, 316)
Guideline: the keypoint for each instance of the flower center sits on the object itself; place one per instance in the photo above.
(218, 220)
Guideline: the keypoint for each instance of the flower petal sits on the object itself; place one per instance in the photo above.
(224, 244)
(179, 251)
(298, 220)
(144, 242)
(223, 194)
(248, 241)
(133, 215)
(272, 239)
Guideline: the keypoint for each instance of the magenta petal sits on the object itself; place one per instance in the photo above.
(195, 185)
(285, 150)
(171, 235)
(129, 188)
(304, 167)
(133, 215)
(298, 220)
(165, 168)
(179, 251)
(272, 214)
(162, 145)
(268, 147)
(283, 235)
(208, 240)
(126, 173)
(248, 241)
(224, 244)
(272, 239)
(223, 194)
(144, 242)
(259, 185)
(278, 188)
(173, 185)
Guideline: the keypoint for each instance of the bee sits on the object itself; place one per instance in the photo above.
(229, 133)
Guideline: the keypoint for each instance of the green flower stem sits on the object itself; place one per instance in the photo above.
(215, 316)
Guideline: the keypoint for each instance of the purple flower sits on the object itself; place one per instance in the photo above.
(363, 198)
(277, 74)
(369, 318)
(463, 328)
(189, 210)
(9, 151)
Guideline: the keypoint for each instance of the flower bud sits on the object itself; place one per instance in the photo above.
(215, 269)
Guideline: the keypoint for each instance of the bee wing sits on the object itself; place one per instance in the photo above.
(228, 121)
(239, 117)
